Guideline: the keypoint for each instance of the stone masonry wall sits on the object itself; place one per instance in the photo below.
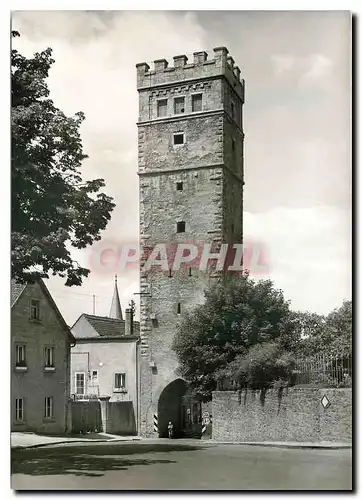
(296, 414)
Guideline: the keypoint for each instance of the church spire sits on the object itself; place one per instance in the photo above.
(116, 310)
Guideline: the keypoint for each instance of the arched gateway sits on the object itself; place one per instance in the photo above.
(170, 407)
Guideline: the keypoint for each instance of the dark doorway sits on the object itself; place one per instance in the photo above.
(169, 408)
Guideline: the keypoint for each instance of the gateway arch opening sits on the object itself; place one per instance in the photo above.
(170, 408)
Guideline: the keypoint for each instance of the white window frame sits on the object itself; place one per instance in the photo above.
(123, 387)
(174, 105)
(19, 410)
(195, 94)
(48, 407)
(75, 383)
(49, 349)
(20, 361)
(157, 104)
(173, 139)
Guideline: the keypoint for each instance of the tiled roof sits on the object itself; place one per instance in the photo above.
(110, 327)
(16, 290)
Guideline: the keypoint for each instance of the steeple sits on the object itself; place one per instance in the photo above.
(116, 310)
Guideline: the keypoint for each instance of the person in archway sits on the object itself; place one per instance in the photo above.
(170, 430)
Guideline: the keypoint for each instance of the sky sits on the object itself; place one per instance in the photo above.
(297, 121)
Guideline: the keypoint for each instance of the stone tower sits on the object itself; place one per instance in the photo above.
(190, 157)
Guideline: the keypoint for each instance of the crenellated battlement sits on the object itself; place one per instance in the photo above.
(182, 70)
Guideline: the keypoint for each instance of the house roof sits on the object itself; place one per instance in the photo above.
(109, 327)
(16, 290)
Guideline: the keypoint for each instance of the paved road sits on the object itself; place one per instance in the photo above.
(185, 465)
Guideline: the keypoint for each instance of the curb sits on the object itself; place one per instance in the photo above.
(310, 446)
(42, 445)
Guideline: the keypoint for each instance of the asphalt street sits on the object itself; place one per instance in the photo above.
(179, 465)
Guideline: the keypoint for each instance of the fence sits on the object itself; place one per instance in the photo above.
(333, 371)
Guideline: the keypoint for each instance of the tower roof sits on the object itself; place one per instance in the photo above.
(116, 310)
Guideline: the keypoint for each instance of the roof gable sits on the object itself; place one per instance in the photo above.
(16, 290)
(104, 327)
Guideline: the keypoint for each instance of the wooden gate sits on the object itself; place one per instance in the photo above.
(86, 417)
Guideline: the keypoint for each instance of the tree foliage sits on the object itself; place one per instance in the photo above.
(52, 209)
(236, 315)
(330, 334)
(260, 368)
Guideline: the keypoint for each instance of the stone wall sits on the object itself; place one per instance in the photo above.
(294, 414)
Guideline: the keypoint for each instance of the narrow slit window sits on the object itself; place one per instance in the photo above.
(179, 308)
(197, 102)
(170, 273)
(233, 111)
(190, 271)
(181, 226)
(179, 186)
(178, 139)
(162, 107)
(179, 105)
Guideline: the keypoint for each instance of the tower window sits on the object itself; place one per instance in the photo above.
(170, 273)
(181, 227)
(179, 186)
(179, 308)
(197, 102)
(162, 107)
(190, 271)
(178, 139)
(179, 105)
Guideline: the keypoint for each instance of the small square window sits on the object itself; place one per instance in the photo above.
(20, 355)
(179, 105)
(19, 409)
(49, 357)
(181, 226)
(178, 139)
(48, 407)
(197, 102)
(35, 309)
(120, 381)
(162, 107)
(179, 186)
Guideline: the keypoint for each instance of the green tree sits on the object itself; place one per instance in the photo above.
(236, 315)
(261, 367)
(52, 209)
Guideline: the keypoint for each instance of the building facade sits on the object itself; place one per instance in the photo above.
(40, 362)
(190, 157)
(104, 361)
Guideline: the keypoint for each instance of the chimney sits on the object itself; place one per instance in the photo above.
(128, 324)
